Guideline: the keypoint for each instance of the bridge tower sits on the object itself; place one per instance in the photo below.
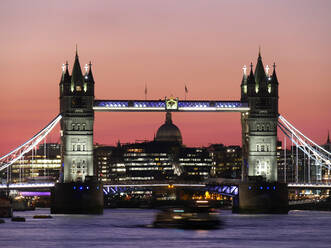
(76, 108)
(259, 126)
(259, 191)
(78, 192)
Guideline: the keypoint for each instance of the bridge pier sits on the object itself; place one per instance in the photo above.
(77, 197)
(261, 197)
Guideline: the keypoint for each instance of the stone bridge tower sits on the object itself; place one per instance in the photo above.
(76, 107)
(259, 126)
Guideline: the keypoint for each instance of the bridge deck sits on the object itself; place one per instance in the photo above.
(169, 105)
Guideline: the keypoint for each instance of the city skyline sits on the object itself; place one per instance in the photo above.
(167, 47)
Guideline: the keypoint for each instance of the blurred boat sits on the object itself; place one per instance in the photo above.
(6, 210)
(21, 203)
(197, 216)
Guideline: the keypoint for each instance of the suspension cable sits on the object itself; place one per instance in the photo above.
(10, 158)
(317, 151)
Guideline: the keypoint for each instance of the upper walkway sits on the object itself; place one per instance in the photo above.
(169, 105)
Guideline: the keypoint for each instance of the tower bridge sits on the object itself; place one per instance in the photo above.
(260, 119)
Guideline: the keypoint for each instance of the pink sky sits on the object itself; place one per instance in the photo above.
(165, 44)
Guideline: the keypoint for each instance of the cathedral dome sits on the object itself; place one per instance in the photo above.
(168, 132)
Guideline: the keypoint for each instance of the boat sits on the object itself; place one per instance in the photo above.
(6, 210)
(42, 216)
(18, 219)
(196, 216)
(21, 203)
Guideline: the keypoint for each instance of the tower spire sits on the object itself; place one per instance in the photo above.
(76, 75)
(274, 76)
(168, 118)
(90, 74)
(328, 140)
(259, 74)
(244, 80)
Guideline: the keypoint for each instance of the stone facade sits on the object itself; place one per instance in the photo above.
(259, 126)
(76, 107)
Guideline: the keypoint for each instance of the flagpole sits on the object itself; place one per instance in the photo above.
(145, 91)
(185, 92)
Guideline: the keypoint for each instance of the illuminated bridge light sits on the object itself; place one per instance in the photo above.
(113, 104)
(160, 105)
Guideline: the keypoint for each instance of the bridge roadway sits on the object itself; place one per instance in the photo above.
(49, 185)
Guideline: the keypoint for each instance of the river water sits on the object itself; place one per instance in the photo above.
(125, 228)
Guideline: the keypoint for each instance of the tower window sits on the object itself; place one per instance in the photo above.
(78, 147)
(78, 127)
(73, 126)
(73, 147)
(83, 128)
(262, 148)
(258, 148)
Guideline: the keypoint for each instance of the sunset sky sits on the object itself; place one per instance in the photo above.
(166, 45)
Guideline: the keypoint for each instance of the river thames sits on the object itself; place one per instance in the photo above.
(128, 228)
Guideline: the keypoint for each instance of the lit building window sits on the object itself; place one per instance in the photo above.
(262, 148)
